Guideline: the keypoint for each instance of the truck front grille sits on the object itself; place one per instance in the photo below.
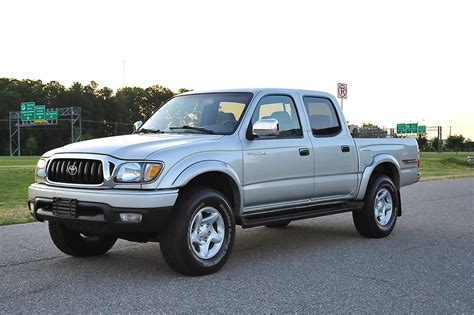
(75, 171)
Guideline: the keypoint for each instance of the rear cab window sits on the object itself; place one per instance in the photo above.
(322, 115)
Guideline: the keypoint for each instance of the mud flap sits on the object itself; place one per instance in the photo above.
(399, 203)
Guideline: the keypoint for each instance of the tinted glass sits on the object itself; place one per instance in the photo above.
(322, 116)
(218, 112)
(282, 108)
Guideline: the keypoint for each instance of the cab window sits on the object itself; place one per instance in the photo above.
(322, 116)
(283, 109)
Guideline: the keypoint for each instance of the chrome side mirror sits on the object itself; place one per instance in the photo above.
(266, 127)
(137, 125)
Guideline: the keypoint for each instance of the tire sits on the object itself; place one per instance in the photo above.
(278, 224)
(366, 221)
(195, 249)
(76, 244)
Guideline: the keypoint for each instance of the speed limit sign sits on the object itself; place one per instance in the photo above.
(342, 90)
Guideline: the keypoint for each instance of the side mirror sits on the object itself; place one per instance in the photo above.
(266, 127)
(137, 125)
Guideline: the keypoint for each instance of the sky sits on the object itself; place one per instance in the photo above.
(403, 61)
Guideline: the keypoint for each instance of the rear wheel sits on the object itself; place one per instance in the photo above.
(200, 234)
(77, 244)
(381, 208)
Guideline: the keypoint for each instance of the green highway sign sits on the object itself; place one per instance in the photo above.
(52, 115)
(401, 128)
(412, 128)
(39, 112)
(27, 111)
(32, 113)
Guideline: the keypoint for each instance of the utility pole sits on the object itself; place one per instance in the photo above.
(450, 130)
(440, 138)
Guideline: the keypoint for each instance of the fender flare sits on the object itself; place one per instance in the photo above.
(203, 167)
(367, 173)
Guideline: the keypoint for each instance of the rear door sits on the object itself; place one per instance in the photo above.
(335, 156)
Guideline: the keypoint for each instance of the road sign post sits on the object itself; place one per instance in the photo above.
(342, 93)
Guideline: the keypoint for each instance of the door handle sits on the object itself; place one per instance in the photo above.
(345, 148)
(304, 151)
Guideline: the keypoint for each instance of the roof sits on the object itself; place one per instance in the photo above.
(258, 90)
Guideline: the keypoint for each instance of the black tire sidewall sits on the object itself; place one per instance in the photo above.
(195, 201)
(380, 183)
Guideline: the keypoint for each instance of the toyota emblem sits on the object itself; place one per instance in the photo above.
(72, 170)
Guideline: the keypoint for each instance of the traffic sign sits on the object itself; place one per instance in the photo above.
(342, 90)
(36, 114)
(412, 128)
(421, 129)
(51, 115)
(401, 128)
(39, 112)
(27, 111)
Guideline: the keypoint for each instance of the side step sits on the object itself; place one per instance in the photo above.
(298, 213)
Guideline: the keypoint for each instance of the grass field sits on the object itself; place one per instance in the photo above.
(16, 174)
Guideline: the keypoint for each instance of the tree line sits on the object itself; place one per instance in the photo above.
(451, 143)
(104, 112)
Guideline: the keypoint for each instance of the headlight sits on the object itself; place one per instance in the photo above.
(41, 169)
(135, 172)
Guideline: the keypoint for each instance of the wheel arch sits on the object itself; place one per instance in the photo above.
(216, 175)
(382, 165)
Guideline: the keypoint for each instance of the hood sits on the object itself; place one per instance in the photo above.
(133, 147)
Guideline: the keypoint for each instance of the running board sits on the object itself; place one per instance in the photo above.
(299, 213)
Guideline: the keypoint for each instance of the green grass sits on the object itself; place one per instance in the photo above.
(17, 173)
(446, 165)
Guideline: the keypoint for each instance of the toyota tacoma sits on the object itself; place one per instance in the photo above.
(205, 162)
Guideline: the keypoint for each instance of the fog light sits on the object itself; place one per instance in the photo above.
(31, 206)
(131, 217)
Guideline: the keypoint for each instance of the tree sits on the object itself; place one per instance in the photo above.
(31, 145)
(422, 142)
(101, 108)
(469, 145)
(455, 142)
(434, 143)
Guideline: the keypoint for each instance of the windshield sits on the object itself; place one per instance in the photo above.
(214, 113)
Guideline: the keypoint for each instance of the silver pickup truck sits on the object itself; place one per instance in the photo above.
(205, 162)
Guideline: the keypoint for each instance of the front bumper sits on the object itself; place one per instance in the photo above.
(98, 211)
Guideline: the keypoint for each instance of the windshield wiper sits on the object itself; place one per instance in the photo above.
(192, 128)
(145, 130)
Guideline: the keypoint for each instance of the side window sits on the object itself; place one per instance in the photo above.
(282, 108)
(322, 116)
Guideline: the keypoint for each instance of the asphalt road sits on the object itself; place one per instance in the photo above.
(317, 265)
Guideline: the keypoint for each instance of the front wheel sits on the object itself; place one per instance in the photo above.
(77, 244)
(381, 207)
(200, 234)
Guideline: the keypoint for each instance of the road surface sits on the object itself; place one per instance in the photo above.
(318, 265)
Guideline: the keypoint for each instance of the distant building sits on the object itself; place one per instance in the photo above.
(367, 131)
(352, 128)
